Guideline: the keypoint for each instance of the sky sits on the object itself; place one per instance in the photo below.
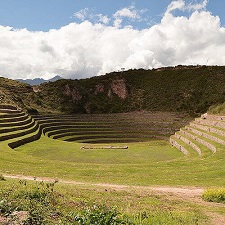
(84, 38)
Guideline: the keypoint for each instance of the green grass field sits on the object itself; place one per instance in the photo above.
(153, 163)
(144, 163)
(95, 175)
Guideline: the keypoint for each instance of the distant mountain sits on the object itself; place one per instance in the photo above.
(38, 81)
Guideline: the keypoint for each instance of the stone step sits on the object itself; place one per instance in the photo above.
(213, 117)
(208, 129)
(20, 133)
(206, 135)
(10, 115)
(10, 111)
(6, 106)
(17, 128)
(19, 123)
(188, 142)
(213, 123)
(13, 119)
(210, 146)
(25, 139)
(175, 144)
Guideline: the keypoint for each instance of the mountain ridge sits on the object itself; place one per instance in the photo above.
(38, 81)
(191, 89)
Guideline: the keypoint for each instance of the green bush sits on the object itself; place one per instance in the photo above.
(101, 215)
(214, 195)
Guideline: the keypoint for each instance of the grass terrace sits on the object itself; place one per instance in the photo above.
(91, 172)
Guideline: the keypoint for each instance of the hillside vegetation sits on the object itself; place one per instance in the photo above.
(183, 88)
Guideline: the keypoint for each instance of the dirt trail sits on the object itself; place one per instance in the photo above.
(188, 192)
(192, 194)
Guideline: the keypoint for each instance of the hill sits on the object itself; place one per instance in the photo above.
(38, 81)
(20, 95)
(192, 89)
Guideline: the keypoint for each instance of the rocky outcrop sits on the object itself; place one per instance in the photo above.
(99, 88)
(119, 88)
(73, 92)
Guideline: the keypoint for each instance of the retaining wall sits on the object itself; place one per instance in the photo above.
(20, 123)
(19, 134)
(208, 136)
(208, 129)
(185, 140)
(199, 140)
(178, 146)
(26, 140)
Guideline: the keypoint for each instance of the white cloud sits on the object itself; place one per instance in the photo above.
(181, 5)
(88, 49)
(103, 19)
(130, 13)
(89, 14)
(82, 14)
(198, 6)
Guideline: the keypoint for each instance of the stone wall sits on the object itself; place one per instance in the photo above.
(185, 140)
(199, 140)
(178, 146)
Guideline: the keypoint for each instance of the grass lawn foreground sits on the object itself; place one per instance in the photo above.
(152, 163)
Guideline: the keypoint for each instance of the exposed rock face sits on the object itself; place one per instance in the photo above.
(119, 88)
(74, 93)
(99, 88)
(36, 89)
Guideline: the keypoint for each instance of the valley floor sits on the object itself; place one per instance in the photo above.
(146, 176)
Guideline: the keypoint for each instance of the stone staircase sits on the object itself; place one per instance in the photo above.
(203, 136)
(17, 127)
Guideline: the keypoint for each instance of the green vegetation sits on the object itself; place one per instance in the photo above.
(191, 89)
(182, 88)
(217, 109)
(144, 163)
(214, 195)
(52, 203)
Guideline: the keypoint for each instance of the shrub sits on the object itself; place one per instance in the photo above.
(101, 215)
(214, 195)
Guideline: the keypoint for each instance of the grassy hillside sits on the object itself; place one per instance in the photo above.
(191, 89)
(20, 95)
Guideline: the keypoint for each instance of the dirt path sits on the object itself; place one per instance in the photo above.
(192, 194)
(188, 192)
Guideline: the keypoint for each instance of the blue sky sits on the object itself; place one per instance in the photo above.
(42, 15)
(84, 38)
(45, 15)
